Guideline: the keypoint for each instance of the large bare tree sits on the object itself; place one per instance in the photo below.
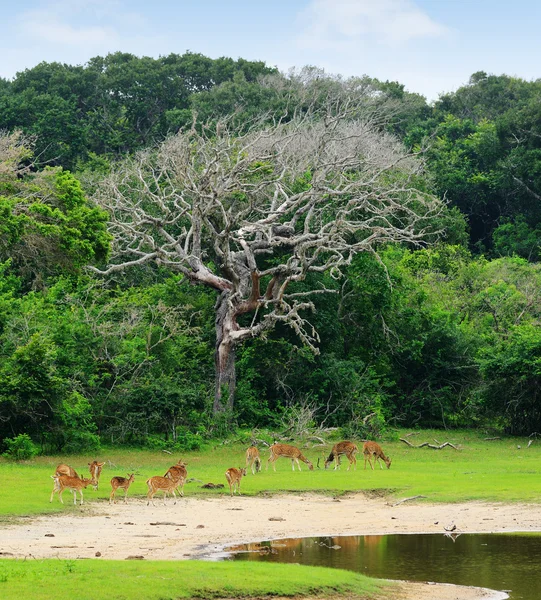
(251, 215)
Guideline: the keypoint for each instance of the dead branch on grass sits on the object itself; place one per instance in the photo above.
(429, 445)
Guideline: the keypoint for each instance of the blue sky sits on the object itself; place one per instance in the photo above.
(431, 46)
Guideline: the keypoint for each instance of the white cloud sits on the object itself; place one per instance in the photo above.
(78, 23)
(341, 24)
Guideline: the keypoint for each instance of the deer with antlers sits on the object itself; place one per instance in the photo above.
(253, 459)
(346, 448)
(122, 483)
(373, 450)
(286, 451)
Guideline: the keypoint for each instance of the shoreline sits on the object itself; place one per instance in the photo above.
(201, 528)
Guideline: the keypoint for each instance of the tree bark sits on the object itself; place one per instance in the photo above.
(224, 356)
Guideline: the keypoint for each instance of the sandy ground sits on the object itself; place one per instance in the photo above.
(203, 527)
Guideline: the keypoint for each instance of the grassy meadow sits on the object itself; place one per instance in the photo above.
(161, 580)
(503, 470)
(494, 470)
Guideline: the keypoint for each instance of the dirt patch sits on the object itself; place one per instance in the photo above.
(202, 527)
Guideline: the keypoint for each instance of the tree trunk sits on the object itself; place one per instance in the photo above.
(224, 356)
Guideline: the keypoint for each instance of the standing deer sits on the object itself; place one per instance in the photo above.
(348, 449)
(95, 471)
(178, 471)
(161, 484)
(253, 459)
(373, 450)
(122, 483)
(63, 469)
(286, 451)
(233, 477)
(74, 484)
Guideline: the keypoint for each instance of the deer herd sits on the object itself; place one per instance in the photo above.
(66, 477)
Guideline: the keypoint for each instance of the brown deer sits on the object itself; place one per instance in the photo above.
(74, 484)
(348, 449)
(373, 450)
(233, 477)
(123, 483)
(95, 471)
(178, 471)
(253, 459)
(64, 469)
(161, 484)
(286, 451)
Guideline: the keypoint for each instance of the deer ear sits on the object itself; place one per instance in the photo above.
(101, 464)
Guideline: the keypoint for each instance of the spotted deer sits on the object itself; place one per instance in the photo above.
(373, 450)
(233, 477)
(63, 469)
(343, 448)
(122, 483)
(95, 471)
(179, 472)
(161, 484)
(286, 451)
(253, 459)
(73, 484)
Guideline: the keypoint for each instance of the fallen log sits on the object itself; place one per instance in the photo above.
(428, 445)
(407, 500)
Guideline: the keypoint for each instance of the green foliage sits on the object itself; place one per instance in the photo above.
(20, 447)
(436, 336)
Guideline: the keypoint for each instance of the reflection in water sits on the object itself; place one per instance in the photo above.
(499, 561)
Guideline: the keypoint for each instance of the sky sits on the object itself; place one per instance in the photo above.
(430, 46)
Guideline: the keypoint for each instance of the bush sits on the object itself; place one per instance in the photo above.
(81, 441)
(20, 447)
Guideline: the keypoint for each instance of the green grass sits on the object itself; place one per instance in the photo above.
(481, 470)
(161, 580)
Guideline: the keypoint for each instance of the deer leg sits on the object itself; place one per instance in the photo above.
(81, 492)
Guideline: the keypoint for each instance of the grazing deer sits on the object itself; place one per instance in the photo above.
(373, 450)
(161, 484)
(123, 483)
(64, 469)
(95, 471)
(74, 484)
(253, 459)
(178, 471)
(233, 477)
(286, 451)
(345, 447)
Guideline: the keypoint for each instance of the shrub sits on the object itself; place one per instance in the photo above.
(81, 441)
(20, 447)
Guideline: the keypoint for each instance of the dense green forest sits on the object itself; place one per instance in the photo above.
(148, 297)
